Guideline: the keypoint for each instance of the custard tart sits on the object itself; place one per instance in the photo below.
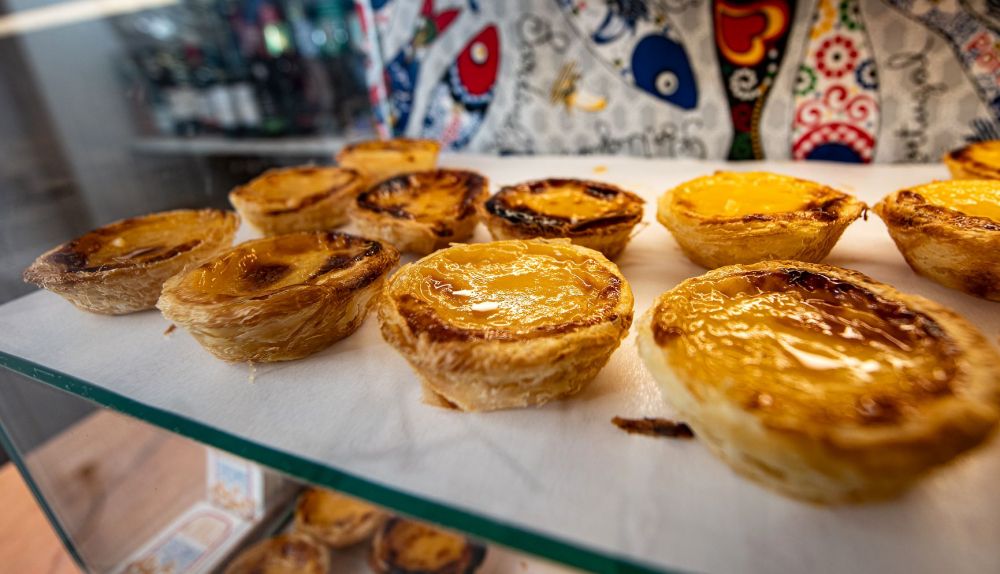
(298, 199)
(949, 231)
(408, 547)
(979, 160)
(279, 298)
(335, 519)
(283, 554)
(506, 324)
(120, 268)
(589, 213)
(423, 211)
(732, 217)
(820, 382)
(382, 159)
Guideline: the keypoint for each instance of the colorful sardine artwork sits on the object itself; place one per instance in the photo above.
(836, 91)
(750, 39)
(639, 44)
(459, 101)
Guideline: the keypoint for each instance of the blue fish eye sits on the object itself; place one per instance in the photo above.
(660, 67)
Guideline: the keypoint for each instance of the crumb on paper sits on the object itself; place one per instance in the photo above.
(600, 169)
(252, 377)
(170, 330)
(654, 427)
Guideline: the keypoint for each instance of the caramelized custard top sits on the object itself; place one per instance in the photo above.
(395, 145)
(982, 157)
(735, 195)
(265, 266)
(321, 507)
(138, 241)
(288, 190)
(414, 547)
(799, 345)
(505, 289)
(975, 197)
(431, 197)
(571, 205)
(283, 554)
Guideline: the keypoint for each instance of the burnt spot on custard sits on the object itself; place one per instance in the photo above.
(308, 200)
(422, 319)
(837, 302)
(393, 542)
(919, 212)
(255, 275)
(503, 204)
(389, 197)
(74, 257)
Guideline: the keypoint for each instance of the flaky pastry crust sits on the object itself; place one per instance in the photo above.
(807, 231)
(335, 519)
(592, 214)
(944, 243)
(978, 160)
(423, 211)
(279, 298)
(820, 382)
(283, 554)
(506, 324)
(408, 547)
(307, 198)
(121, 267)
(381, 159)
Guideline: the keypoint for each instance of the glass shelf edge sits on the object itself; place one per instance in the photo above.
(478, 526)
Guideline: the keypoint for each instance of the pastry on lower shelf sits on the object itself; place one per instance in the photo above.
(978, 160)
(279, 298)
(820, 382)
(120, 268)
(423, 211)
(506, 324)
(308, 198)
(597, 215)
(408, 547)
(382, 159)
(335, 519)
(731, 217)
(949, 231)
(283, 554)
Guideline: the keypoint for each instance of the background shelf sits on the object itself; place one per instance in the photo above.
(558, 481)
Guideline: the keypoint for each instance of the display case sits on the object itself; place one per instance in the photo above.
(148, 454)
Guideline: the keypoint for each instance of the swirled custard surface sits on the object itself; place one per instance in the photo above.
(795, 345)
(287, 190)
(415, 547)
(264, 266)
(978, 198)
(733, 194)
(426, 196)
(505, 289)
(138, 241)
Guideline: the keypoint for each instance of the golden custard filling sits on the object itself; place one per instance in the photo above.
(138, 241)
(322, 508)
(732, 194)
(426, 196)
(494, 290)
(568, 199)
(259, 268)
(421, 548)
(986, 153)
(978, 198)
(797, 345)
(291, 189)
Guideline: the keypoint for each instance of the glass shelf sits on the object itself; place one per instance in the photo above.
(560, 481)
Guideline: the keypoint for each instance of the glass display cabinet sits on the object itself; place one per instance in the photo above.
(148, 454)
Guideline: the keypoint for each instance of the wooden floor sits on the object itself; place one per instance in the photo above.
(27, 542)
